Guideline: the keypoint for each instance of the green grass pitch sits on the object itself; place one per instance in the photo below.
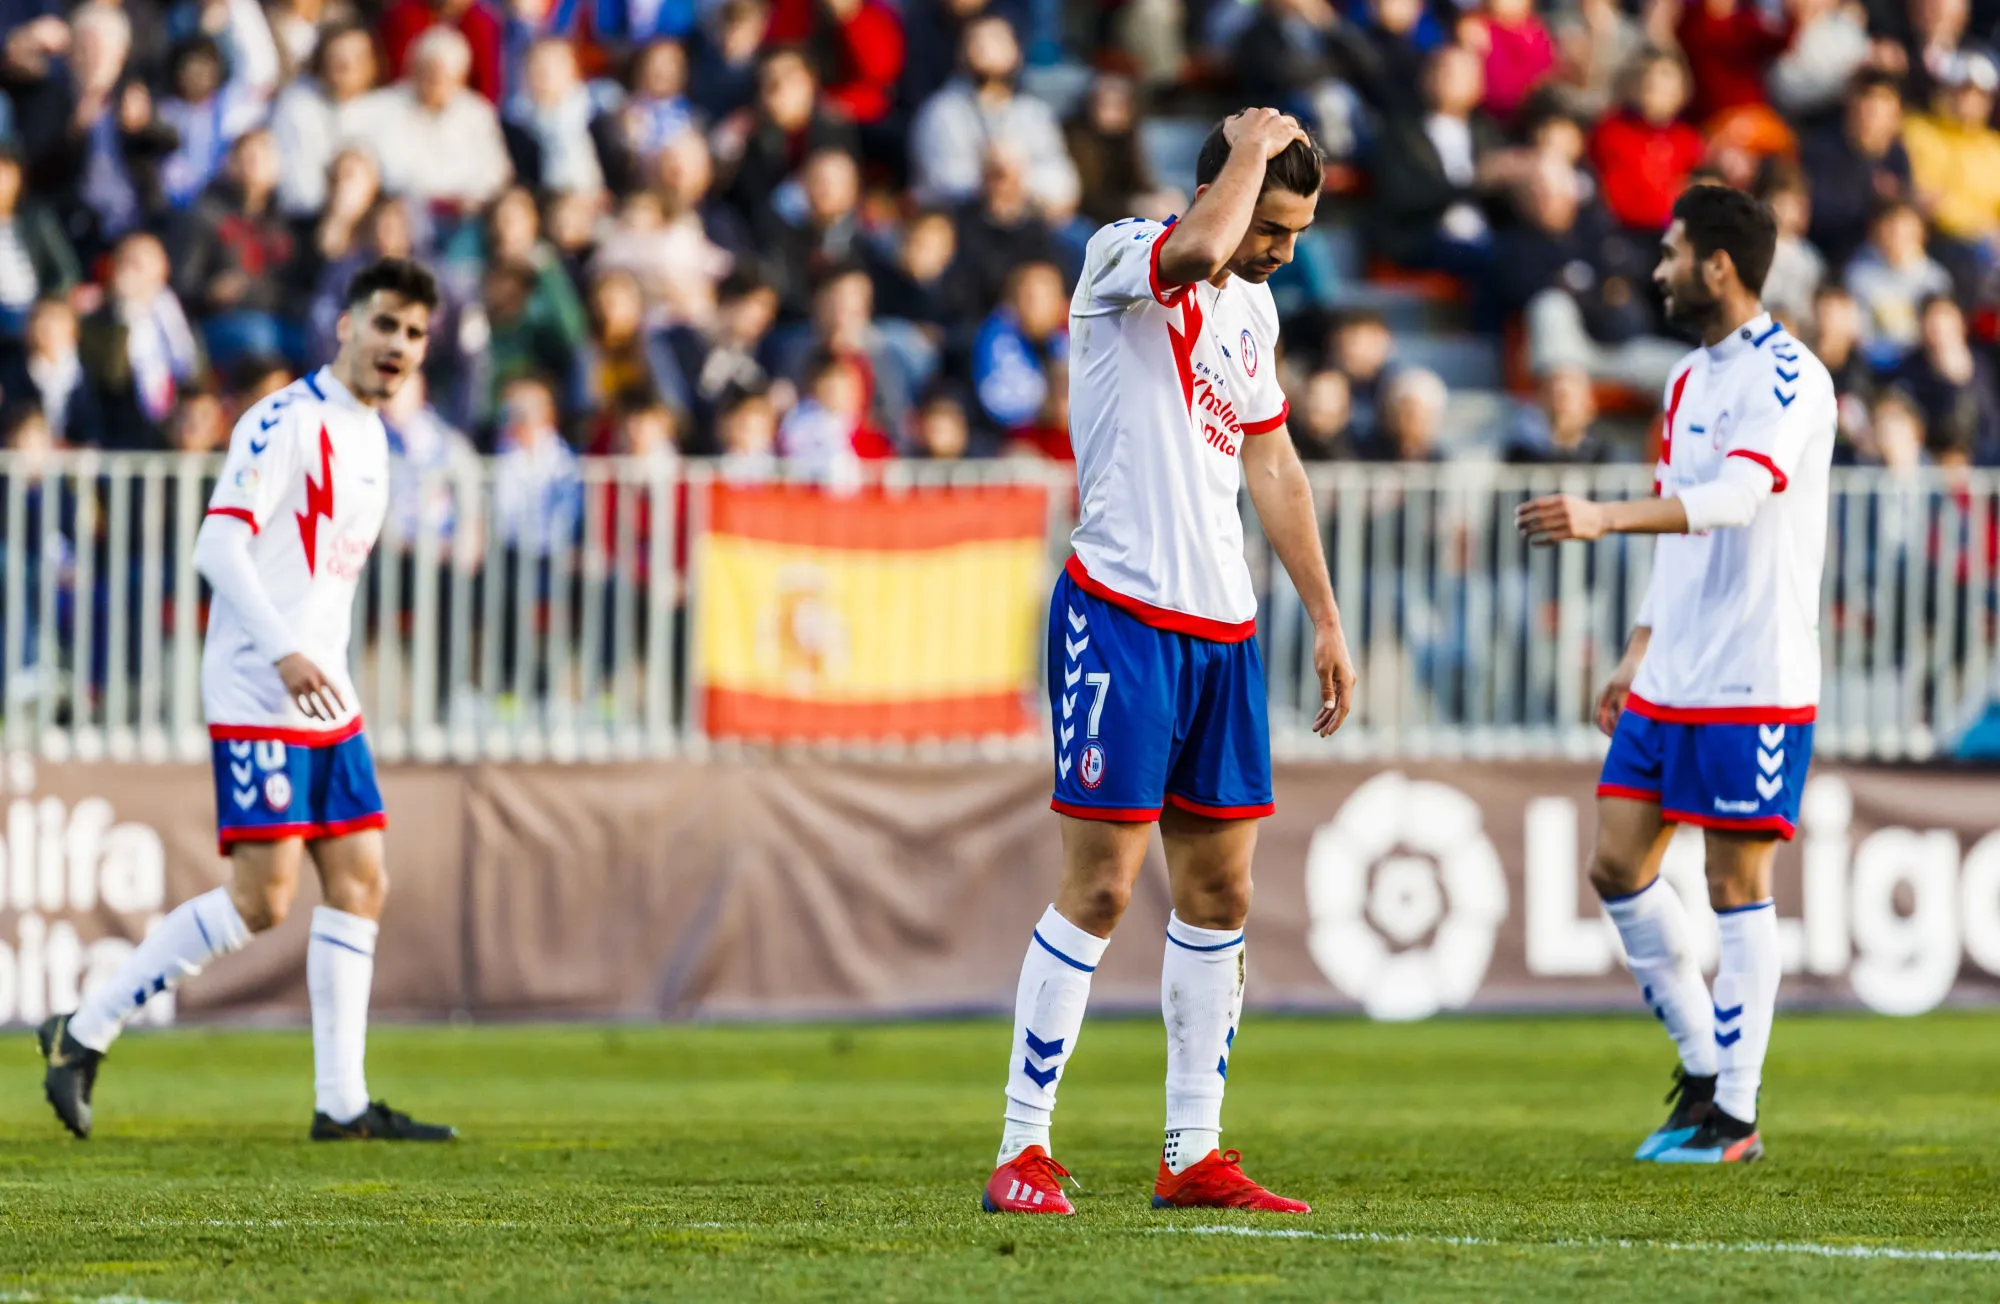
(1453, 1160)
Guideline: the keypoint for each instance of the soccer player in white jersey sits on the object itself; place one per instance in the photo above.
(1711, 710)
(294, 515)
(1155, 687)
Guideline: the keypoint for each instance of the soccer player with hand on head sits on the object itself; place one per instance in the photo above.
(1156, 689)
(294, 516)
(1711, 710)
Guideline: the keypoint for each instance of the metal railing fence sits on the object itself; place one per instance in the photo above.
(560, 624)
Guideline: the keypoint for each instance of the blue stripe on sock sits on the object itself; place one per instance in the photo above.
(1754, 905)
(1068, 960)
(205, 940)
(1219, 946)
(1608, 900)
(349, 946)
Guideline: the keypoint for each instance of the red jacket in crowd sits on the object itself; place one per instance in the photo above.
(481, 27)
(1644, 167)
(861, 56)
(1730, 45)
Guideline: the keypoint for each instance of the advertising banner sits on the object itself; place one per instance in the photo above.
(871, 614)
(676, 890)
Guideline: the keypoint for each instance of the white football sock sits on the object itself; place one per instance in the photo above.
(340, 966)
(196, 932)
(1048, 1015)
(1746, 998)
(1653, 924)
(1201, 997)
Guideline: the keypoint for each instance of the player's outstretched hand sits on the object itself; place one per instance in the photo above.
(1267, 128)
(1559, 517)
(1336, 678)
(313, 691)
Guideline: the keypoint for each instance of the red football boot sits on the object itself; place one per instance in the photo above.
(1217, 1182)
(1030, 1182)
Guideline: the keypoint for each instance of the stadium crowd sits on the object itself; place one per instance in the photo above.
(847, 228)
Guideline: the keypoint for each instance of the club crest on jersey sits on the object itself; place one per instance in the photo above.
(278, 792)
(1090, 766)
(1249, 352)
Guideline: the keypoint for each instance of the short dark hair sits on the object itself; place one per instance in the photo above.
(408, 280)
(1869, 80)
(1301, 169)
(1718, 217)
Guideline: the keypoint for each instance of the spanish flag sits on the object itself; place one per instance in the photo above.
(872, 615)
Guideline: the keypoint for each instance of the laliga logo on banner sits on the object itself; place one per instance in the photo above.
(1405, 861)
(57, 859)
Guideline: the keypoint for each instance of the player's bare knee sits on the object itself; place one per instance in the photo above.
(1224, 903)
(264, 905)
(1102, 904)
(1614, 874)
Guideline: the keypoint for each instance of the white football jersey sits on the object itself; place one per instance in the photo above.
(1735, 612)
(1165, 384)
(308, 468)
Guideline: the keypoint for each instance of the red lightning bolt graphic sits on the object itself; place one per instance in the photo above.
(1182, 343)
(319, 502)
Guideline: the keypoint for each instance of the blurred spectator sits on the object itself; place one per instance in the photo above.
(813, 227)
(1896, 433)
(1020, 341)
(197, 423)
(1951, 384)
(512, 233)
(207, 113)
(1890, 278)
(1829, 46)
(241, 31)
(724, 56)
(436, 142)
(429, 461)
(919, 280)
(1002, 229)
(311, 116)
(1583, 285)
(44, 370)
(1518, 51)
(623, 364)
(352, 191)
(953, 131)
(856, 45)
(827, 432)
(295, 32)
(1796, 267)
(1362, 350)
(1560, 426)
(747, 432)
(1103, 138)
(1955, 156)
(36, 258)
(236, 266)
(138, 351)
(717, 366)
(844, 328)
(1836, 341)
(1047, 435)
(933, 35)
(1388, 55)
(1855, 165)
(1433, 173)
(553, 122)
(1411, 418)
(1321, 423)
(1643, 153)
(670, 238)
(656, 110)
(943, 433)
(1291, 57)
(407, 22)
(537, 487)
(1728, 45)
(788, 124)
(251, 380)
(523, 338)
(1598, 40)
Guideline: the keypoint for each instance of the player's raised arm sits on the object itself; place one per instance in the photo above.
(1206, 238)
(1283, 498)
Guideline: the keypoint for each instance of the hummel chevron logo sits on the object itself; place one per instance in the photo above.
(1770, 734)
(1062, 766)
(1724, 1016)
(1040, 1077)
(1069, 704)
(1728, 1039)
(1770, 762)
(1075, 647)
(257, 446)
(1041, 1050)
(1068, 732)
(1077, 621)
(1769, 788)
(1071, 675)
(245, 797)
(1789, 377)
(241, 773)
(239, 749)
(1784, 399)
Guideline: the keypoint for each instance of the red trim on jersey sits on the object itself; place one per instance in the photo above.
(1778, 480)
(1166, 295)
(1269, 423)
(1182, 342)
(243, 514)
(319, 502)
(1638, 705)
(1624, 793)
(1673, 407)
(1777, 824)
(1177, 622)
(260, 733)
(1113, 815)
(225, 838)
(1222, 812)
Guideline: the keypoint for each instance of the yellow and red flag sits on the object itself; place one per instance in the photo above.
(872, 615)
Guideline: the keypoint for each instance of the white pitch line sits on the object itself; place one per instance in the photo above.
(1806, 1248)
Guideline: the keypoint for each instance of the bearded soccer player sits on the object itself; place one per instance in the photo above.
(1155, 686)
(294, 516)
(1711, 710)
